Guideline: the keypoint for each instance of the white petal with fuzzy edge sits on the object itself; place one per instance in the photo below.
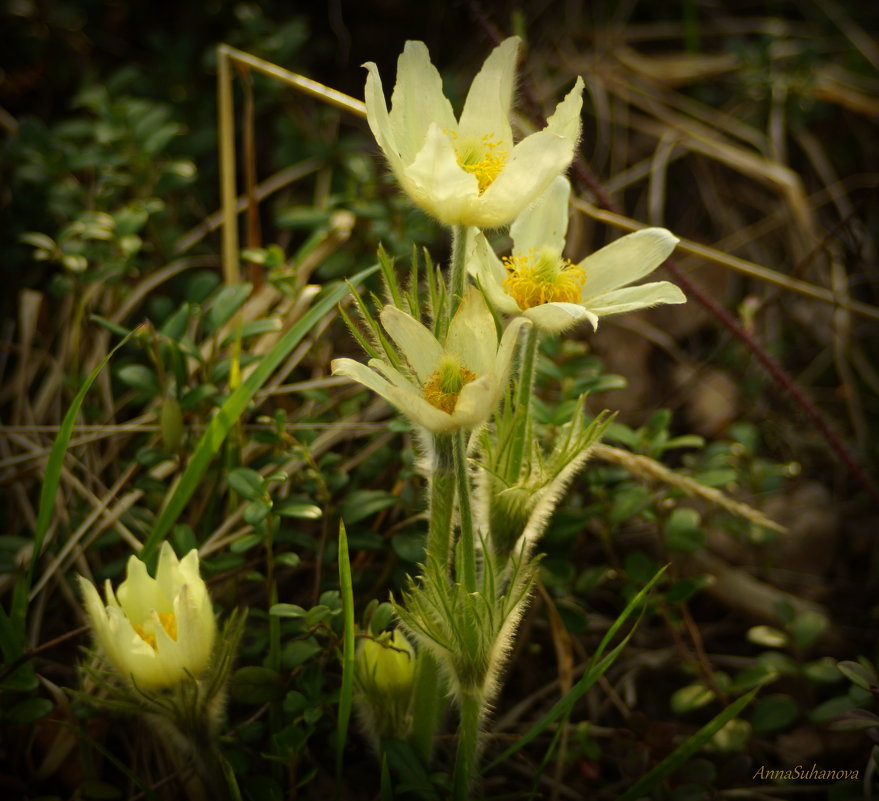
(472, 336)
(626, 260)
(544, 224)
(416, 343)
(489, 271)
(417, 101)
(487, 108)
(557, 317)
(636, 297)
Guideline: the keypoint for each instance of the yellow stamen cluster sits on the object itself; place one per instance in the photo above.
(147, 633)
(481, 157)
(534, 279)
(444, 385)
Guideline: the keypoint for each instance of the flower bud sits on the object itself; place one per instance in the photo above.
(385, 673)
(386, 667)
(155, 631)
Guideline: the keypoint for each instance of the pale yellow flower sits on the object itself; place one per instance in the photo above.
(467, 171)
(155, 631)
(539, 283)
(452, 385)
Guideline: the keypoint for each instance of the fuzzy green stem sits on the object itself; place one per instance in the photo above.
(524, 392)
(442, 503)
(457, 271)
(467, 572)
(428, 705)
(467, 757)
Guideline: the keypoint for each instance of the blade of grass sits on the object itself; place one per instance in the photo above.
(689, 747)
(347, 689)
(234, 407)
(594, 671)
(12, 627)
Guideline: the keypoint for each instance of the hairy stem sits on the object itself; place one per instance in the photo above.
(457, 271)
(442, 503)
(467, 573)
(467, 757)
(524, 391)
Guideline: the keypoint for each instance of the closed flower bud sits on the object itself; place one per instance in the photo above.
(385, 673)
(155, 631)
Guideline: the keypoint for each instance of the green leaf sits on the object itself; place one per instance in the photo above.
(288, 559)
(361, 504)
(693, 696)
(767, 636)
(683, 530)
(627, 502)
(256, 511)
(291, 507)
(859, 674)
(409, 546)
(245, 543)
(256, 685)
(382, 616)
(246, 482)
(807, 627)
(139, 377)
(686, 588)
(234, 406)
(773, 713)
(29, 710)
(298, 652)
(287, 610)
(228, 300)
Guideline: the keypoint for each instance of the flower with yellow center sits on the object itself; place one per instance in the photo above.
(155, 631)
(539, 283)
(454, 384)
(467, 171)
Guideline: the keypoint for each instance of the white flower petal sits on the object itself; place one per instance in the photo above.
(475, 403)
(565, 120)
(557, 317)
(168, 574)
(417, 101)
(529, 171)
(396, 378)
(96, 611)
(472, 336)
(416, 343)
(489, 271)
(362, 375)
(544, 224)
(195, 640)
(626, 260)
(438, 184)
(379, 120)
(411, 404)
(487, 108)
(507, 348)
(139, 594)
(636, 297)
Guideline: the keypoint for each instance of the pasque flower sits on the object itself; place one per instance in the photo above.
(467, 171)
(454, 384)
(551, 291)
(155, 631)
